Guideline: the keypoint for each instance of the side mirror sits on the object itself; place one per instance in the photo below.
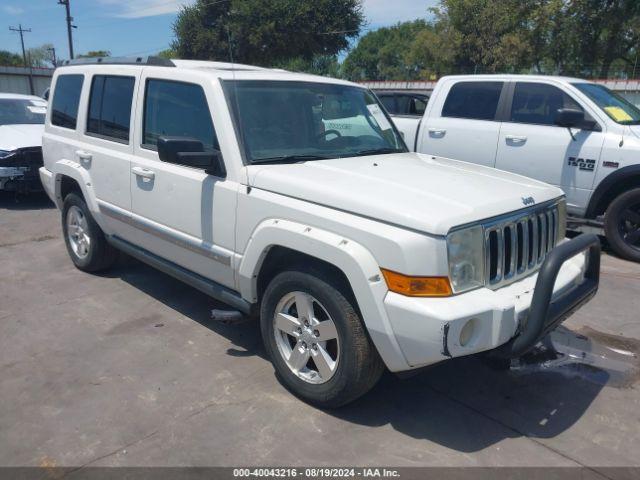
(570, 118)
(190, 152)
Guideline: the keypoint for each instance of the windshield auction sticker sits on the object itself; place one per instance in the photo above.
(618, 114)
(375, 111)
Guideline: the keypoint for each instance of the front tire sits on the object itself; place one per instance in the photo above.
(85, 241)
(622, 225)
(316, 339)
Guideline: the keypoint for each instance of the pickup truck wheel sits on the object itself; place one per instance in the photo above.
(622, 225)
(316, 339)
(86, 244)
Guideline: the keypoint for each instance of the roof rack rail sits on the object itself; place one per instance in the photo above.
(148, 60)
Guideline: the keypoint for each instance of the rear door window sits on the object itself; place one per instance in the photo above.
(110, 107)
(66, 99)
(473, 100)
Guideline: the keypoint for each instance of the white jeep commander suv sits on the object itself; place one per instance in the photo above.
(293, 198)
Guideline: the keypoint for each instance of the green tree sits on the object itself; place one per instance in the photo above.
(266, 32)
(384, 54)
(325, 65)
(41, 56)
(168, 53)
(492, 36)
(578, 37)
(436, 49)
(9, 59)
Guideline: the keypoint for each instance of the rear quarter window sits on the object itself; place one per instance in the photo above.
(66, 99)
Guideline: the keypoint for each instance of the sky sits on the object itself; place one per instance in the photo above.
(137, 27)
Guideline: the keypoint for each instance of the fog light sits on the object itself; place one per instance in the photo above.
(467, 332)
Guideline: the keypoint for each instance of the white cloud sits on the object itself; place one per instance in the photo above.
(145, 8)
(389, 12)
(12, 10)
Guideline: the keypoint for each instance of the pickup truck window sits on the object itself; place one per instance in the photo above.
(537, 103)
(473, 100)
(404, 103)
(167, 104)
(110, 107)
(295, 121)
(615, 106)
(66, 99)
(389, 103)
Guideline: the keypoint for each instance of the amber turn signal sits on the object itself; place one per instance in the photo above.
(417, 286)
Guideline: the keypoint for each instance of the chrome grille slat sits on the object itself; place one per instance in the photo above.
(542, 218)
(500, 240)
(534, 247)
(524, 224)
(530, 236)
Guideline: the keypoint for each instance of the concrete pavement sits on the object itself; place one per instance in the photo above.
(127, 369)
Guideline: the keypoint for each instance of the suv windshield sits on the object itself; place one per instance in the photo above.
(15, 111)
(615, 106)
(296, 121)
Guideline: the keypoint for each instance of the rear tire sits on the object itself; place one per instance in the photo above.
(327, 360)
(85, 241)
(622, 225)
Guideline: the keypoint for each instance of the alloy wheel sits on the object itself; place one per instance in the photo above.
(306, 337)
(78, 232)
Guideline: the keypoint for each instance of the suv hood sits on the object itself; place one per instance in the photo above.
(13, 137)
(420, 192)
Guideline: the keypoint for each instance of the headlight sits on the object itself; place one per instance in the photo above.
(562, 219)
(466, 258)
(6, 154)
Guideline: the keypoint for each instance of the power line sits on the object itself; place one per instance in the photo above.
(22, 31)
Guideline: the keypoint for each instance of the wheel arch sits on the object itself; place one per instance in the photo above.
(276, 244)
(611, 186)
(70, 177)
(278, 259)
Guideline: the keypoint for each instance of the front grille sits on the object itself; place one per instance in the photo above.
(516, 246)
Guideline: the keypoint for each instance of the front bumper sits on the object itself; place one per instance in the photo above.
(509, 320)
(19, 173)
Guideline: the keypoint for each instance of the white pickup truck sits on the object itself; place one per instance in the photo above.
(293, 198)
(568, 132)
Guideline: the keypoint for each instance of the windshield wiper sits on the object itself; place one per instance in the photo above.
(288, 159)
(377, 151)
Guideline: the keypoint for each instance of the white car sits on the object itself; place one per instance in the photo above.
(293, 198)
(568, 132)
(21, 128)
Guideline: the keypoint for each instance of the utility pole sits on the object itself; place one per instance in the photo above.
(53, 56)
(69, 25)
(22, 31)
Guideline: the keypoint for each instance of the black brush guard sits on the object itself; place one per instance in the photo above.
(546, 314)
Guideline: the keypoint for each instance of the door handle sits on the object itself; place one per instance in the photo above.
(516, 139)
(143, 172)
(434, 132)
(85, 157)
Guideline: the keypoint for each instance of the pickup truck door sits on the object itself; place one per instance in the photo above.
(182, 214)
(532, 145)
(461, 122)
